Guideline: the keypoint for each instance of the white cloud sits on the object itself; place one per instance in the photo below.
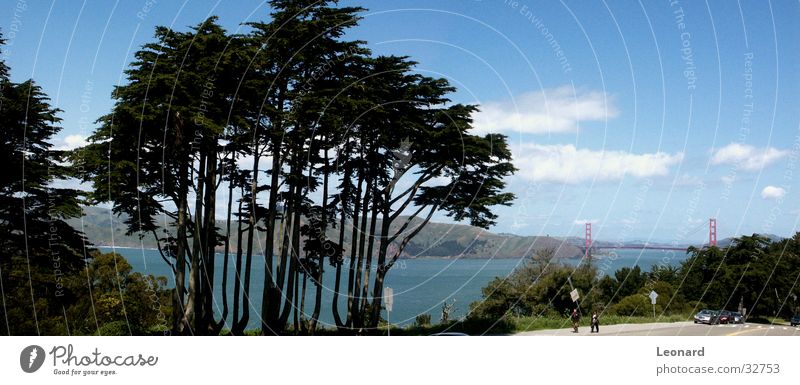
(747, 157)
(567, 164)
(555, 110)
(71, 142)
(773, 193)
(581, 222)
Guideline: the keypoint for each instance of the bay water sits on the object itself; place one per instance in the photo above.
(421, 286)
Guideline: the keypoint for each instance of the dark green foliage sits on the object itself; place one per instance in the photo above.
(538, 288)
(110, 293)
(422, 320)
(760, 274)
(39, 249)
(753, 272)
(119, 328)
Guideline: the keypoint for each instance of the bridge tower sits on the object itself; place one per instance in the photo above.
(588, 253)
(712, 232)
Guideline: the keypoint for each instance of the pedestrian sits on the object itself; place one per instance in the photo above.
(576, 318)
(595, 323)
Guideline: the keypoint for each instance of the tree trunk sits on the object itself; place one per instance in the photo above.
(380, 271)
(180, 323)
(344, 196)
(293, 262)
(195, 302)
(238, 325)
(353, 249)
(211, 243)
(323, 237)
(357, 314)
(370, 245)
(300, 313)
(251, 228)
(269, 299)
(225, 260)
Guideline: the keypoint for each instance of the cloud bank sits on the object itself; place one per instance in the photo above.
(555, 110)
(747, 157)
(570, 165)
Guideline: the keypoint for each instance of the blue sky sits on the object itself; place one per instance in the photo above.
(645, 118)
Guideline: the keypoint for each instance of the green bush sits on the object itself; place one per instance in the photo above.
(635, 305)
(119, 328)
(422, 320)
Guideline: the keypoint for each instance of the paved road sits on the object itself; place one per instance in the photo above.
(674, 329)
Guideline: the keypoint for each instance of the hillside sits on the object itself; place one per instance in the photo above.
(437, 240)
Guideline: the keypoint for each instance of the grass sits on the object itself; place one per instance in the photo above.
(525, 324)
(513, 325)
(510, 325)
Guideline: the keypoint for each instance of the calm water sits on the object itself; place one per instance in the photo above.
(420, 286)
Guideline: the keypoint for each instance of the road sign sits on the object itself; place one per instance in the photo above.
(575, 295)
(653, 295)
(388, 298)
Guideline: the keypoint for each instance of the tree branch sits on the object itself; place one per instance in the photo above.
(408, 238)
(405, 225)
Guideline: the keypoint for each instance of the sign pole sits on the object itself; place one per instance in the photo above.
(653, 295)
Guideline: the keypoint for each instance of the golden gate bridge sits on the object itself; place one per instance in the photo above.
(590, 246)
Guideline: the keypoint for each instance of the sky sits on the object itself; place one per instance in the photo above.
(645, 118)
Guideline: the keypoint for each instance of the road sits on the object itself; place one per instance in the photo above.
(674, 329)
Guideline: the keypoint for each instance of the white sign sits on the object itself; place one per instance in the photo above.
(388, 298)
(653, 295)
(574, 294)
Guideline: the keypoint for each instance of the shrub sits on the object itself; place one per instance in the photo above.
(632, 306)
(422, 320)
(119, 328)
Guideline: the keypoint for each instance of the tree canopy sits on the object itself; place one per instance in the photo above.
(307, 140)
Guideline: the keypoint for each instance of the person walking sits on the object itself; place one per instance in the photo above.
(595, 323)
(576, 318)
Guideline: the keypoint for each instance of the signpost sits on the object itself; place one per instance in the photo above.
(388, 301)
(575, 295)
(653, 295)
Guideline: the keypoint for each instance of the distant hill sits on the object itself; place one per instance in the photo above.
(728, 241)
(437, 240)
(580, 242)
